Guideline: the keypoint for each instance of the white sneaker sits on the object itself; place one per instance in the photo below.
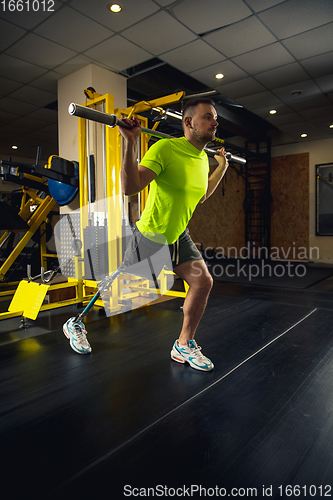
(77, 335)
(192, 354)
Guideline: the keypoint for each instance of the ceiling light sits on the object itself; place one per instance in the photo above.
(219, 76)
(14, 147)
(331, 126)
(296, 92)
(272, 111)
(115, 7)
(304, 135)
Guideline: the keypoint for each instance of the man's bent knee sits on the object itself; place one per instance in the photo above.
(200, 276)
(208, 282)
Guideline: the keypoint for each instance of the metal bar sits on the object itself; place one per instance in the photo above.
(139, 158)
(161, 102)
(8, 315)
(92, 114)
(108, 119)
(234, 158)
(4, 238)
(88, 174)
(202, 94)
(104, 167)
(113, 120)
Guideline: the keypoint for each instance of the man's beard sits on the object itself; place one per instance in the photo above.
(204, 138)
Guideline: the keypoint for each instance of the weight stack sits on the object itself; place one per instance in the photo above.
(95, 253)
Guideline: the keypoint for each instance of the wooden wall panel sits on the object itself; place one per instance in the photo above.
(290, 206)
(220, 220)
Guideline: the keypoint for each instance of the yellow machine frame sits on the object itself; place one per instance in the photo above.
(113, 141)
(44, 206)
(113, 166)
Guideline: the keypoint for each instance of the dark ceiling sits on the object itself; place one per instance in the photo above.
(273, 54)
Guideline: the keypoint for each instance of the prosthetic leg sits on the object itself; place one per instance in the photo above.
(74, 328)
(103, 287)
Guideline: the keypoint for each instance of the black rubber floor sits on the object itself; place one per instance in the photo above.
(269, 273)
(127, 421)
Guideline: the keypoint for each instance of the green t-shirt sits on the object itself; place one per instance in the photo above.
(181, 182)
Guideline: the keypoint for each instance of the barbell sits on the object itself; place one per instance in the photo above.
(113, 120)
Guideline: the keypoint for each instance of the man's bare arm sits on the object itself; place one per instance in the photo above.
(216, 177)
(134, 177)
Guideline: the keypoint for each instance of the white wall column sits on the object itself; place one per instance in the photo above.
(71, 89)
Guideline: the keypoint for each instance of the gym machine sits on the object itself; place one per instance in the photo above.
(83, 268)
(96, 231)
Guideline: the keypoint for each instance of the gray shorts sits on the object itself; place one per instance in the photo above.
(184, 250)
(142, 250)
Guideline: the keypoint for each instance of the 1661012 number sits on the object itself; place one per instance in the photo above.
(305, 491)
(27, 5)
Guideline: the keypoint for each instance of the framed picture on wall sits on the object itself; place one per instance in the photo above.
(324, 199)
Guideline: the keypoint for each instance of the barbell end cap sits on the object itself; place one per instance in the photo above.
(72, 108)
(236, 159)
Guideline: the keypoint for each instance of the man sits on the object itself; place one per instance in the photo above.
(178, 173)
